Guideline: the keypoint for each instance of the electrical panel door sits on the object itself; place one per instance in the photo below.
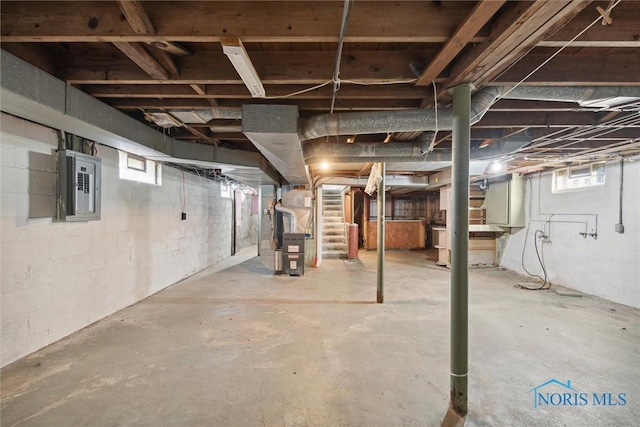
(505, 202)
(78, 186)
(85, 187)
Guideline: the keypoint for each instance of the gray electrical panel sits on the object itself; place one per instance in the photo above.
(79, 182)
(505, 202)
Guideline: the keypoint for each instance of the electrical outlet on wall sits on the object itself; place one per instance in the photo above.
(184, 216)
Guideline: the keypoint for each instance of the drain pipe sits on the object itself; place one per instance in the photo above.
(381, 231)
(459, 253)
(620, 225)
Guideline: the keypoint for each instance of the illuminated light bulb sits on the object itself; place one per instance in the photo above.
(497, 167)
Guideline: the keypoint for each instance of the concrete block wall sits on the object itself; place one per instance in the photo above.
(606, 267)
(57, 278)
(247, 231)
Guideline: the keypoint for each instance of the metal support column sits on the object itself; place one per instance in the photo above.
(381, 202)
(319, 224)
(459, 250)
(260, 213)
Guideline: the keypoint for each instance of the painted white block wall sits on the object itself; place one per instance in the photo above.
(57, 278)
(607, 267)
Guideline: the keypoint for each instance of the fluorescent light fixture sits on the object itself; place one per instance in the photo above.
(233, 48)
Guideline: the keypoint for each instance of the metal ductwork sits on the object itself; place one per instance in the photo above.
(585, 96)
(363, 150)
(481, 101)
(317, 151)
(291, 215)
(430, 120)
(35, 95)
(273, 129)
(396, 121)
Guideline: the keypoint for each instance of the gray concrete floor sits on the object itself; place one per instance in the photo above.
(243, 347)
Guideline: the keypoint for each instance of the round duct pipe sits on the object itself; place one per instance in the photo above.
(394, 121)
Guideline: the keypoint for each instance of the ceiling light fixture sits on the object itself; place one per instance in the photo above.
(233, 48)
(324, 166)
(497, 167)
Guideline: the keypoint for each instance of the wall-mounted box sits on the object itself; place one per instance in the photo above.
(505, 202)
(79, 187)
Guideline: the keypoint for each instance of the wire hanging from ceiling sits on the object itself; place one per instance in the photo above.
(346, 12)
(388, 82)
(300, 92)
(546, 61)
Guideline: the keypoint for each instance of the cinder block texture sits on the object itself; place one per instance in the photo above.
(60, 277)
(605, 266)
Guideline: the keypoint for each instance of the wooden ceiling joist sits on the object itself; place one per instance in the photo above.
(132, 104)
(171, 47)
(136, 17)
(213, 67)
(347, 91)
(576, 69)
(622, 33)
(143, 59)
(173, 63)
(520, 27)
(202, 92)
(165, 61)
(479, 16)
(253, 21)
(199, 89)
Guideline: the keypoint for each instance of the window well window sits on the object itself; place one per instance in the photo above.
(576, 177)
(136, 168)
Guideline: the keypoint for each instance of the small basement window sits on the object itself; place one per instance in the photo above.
(136, 168)
(577, 177)
(136, 163)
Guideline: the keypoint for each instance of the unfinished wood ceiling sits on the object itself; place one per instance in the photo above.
(162, 62)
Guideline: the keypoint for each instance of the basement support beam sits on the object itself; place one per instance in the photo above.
(381, 243)
(459, 254)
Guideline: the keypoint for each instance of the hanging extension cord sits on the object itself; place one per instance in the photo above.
(546, 283)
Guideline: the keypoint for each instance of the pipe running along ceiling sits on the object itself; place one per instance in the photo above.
(426, 120)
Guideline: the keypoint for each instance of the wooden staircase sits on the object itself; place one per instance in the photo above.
(334, 239)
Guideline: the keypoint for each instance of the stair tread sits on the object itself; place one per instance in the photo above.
(334, 255)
